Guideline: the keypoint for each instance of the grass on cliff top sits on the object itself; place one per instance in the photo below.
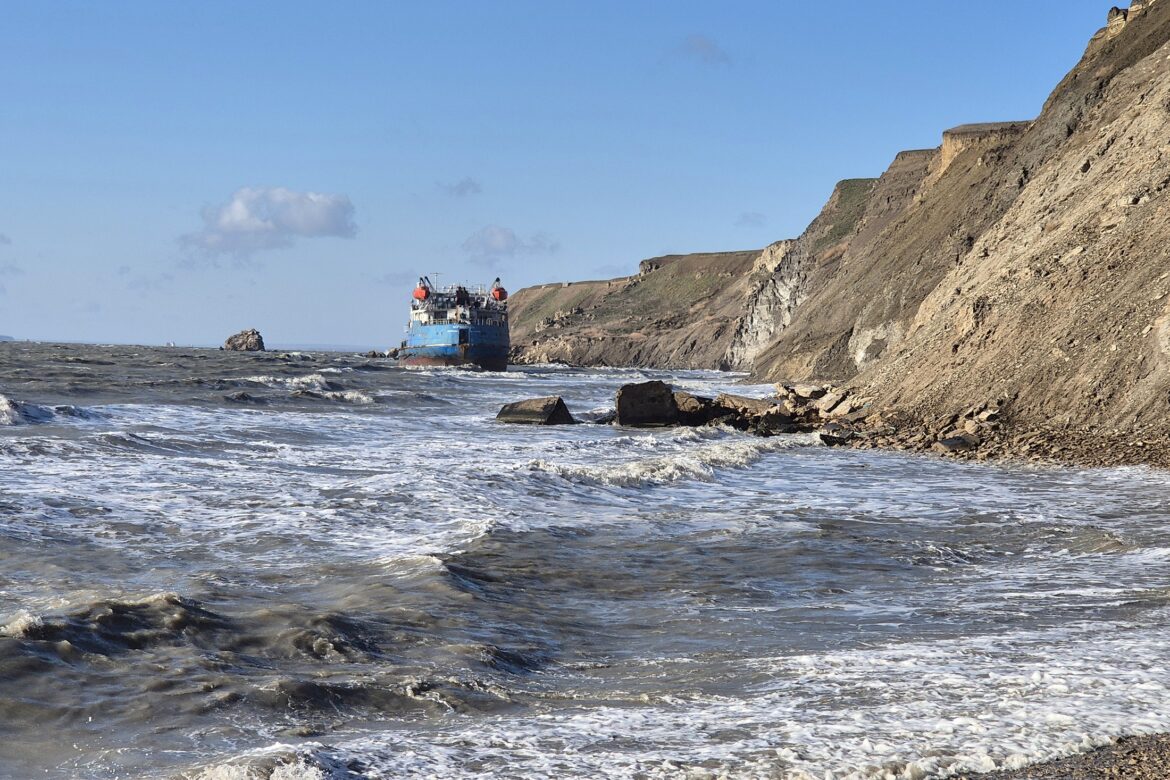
(852, 198)
(666, 292)
(545, 303)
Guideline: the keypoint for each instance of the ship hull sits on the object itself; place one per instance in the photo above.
(482, 346)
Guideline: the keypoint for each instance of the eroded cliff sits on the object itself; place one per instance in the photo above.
(1024, 261)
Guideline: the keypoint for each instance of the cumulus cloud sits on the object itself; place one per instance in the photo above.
(259, 218)
(704, 49)
(751, 219)
(493, 243)
(462, 188)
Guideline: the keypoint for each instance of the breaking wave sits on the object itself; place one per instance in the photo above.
(698, 464)
(24, 413)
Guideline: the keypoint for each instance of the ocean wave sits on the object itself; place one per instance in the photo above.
(697, 464)
(112, 626)
(24, 413)
(314, 382)
(341, 396)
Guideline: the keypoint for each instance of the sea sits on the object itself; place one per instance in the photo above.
(301, 566)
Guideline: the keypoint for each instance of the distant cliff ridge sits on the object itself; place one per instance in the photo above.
(1027, 261)
(680, 311)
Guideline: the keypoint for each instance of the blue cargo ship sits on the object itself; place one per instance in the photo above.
(457, 326)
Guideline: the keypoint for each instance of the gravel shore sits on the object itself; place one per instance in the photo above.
(1130, 758)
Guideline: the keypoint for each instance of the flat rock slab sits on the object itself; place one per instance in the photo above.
(745, 405)
(961, 443)
(646, 404)
(808, 391)
(550, 410)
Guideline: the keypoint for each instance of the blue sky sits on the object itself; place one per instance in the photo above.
(178, 172)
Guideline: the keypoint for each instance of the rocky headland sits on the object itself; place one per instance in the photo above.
(1020, 266)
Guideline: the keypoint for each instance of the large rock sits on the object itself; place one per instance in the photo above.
(550, 410)
(646, 404)
(245, 341)
(696, 409)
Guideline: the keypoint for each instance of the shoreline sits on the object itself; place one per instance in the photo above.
(1145, 757)
(1010, 443)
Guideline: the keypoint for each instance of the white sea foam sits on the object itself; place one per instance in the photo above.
(695, 463)
(905, 711)
(20, 623)
(315, 382)
(20, 412)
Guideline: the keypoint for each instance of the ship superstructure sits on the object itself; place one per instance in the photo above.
(457, 325)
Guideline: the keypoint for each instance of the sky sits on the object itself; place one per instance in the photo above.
(181, 171)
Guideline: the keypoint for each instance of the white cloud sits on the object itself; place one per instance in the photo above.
(489, 245)
(462, 188)
(259, 218)
(704, 49)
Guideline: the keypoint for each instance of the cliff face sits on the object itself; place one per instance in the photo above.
(1061, 301)
(679, 311)
(1028, 261)
(714, 310)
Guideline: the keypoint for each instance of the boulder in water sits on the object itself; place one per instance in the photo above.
(646, 404)
(550, 410)
(245, 341)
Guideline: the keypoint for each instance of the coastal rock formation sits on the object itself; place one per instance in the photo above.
(646, 404)
(550, 410)
(245, 341)
(1025, 261)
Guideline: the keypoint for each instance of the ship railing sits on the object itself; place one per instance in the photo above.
(485, 321)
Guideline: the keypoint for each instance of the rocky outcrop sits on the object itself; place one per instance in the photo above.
(245, 341)
(550, 410)
(646, 404)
